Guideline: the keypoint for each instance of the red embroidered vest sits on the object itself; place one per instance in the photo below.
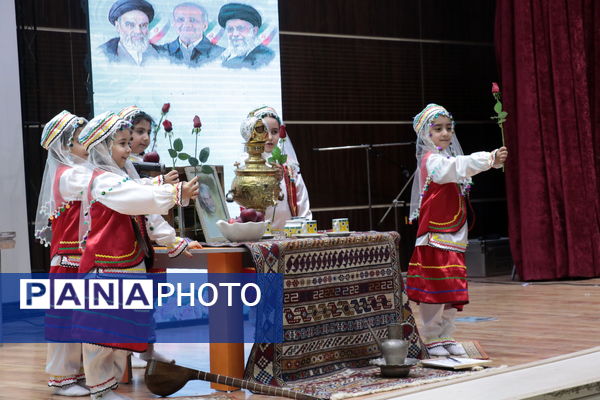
(443, 208)
(111, 240)
(65, 227)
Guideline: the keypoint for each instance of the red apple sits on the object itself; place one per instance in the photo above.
(260, 216)
(230, 221)
(238, 219)
(152, 157)
(248, 215)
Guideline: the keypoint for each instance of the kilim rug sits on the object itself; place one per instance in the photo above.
(333, 289)
(353, 382)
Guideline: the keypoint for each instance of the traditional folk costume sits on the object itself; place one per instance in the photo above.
(158, 229)
(295, 201)
(57, 226)
(114, 237)
(437, 274)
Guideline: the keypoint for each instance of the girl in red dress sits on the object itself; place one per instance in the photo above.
(113, 235)
(437, 274)
(57, 227)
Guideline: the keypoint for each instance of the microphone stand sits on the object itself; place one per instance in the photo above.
(395, 203)
(368, 148)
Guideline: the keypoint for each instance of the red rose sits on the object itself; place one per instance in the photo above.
(282, 133)
(197, 123)
(495, 88)
(166, 107)
(167, 125)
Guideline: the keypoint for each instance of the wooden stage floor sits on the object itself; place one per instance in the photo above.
(519, 323)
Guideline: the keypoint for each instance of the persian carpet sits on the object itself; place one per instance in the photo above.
(354, 382)
(333, 289)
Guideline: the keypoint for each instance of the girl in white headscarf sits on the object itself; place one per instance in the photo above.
(295, 201)
(437, 275)
(113, 229)
(159, 229)
(57, 226)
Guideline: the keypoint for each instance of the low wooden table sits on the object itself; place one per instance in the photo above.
(225, 358)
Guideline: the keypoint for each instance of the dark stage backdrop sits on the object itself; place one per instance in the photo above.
(352, 72)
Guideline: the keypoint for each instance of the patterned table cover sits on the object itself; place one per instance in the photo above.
(333, 288)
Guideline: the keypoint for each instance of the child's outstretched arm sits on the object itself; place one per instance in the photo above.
(443, 169)
(171, 177)
(129, 197)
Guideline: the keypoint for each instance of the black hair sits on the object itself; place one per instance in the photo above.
(140, 117)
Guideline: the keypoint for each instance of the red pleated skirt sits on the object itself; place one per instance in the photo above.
(437, 276)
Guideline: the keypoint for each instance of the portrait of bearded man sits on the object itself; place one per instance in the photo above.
(131, 19)
(242, 23)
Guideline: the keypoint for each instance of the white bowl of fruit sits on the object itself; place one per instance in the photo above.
(250, 226)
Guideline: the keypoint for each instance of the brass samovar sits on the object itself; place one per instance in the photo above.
(255, 184)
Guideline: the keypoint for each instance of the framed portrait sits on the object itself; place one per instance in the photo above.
(210, 204)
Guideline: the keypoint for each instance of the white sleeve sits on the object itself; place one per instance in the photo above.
(302, 198)
(157, 180)
(164, 234)
(129, 197)
(74, 182)
(454, 169)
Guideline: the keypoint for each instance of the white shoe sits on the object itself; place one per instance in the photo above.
(455, 349)
(109, 395)
(74, 390)
(437, 351)
(137, 362)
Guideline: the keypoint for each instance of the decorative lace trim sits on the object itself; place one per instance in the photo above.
(179, 194)
(63, 381)
(110, 384)
(178, 247)
(158, 180)
(436, 342)
(51, 216)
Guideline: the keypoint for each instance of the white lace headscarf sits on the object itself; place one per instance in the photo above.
(285, 146)
(57, 138)
(97, 138)
(422, 124)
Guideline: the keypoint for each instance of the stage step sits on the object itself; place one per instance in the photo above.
(569, 376)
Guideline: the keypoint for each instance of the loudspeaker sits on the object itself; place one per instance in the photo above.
(488, 257)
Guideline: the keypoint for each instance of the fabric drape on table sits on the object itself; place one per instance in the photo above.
(333, 288)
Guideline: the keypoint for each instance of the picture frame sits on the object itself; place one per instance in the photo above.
(210, 203)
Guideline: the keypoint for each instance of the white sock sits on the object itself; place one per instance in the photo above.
(71, 391)
(455, 349)
(437, 351)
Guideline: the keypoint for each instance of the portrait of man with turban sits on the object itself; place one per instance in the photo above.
(131, 19)
(191, 47)
(241, 23)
